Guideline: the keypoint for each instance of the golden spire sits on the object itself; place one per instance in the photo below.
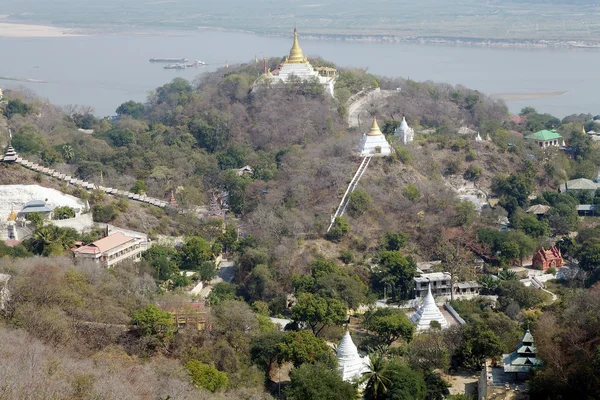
(583, 130)
(296, 56)
(226, 65)
(375, 131)
(13, 215)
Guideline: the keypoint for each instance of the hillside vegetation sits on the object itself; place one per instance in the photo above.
(189, 138)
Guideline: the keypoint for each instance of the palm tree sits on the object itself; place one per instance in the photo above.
(376, 378)
(68, 153)
(507, 275)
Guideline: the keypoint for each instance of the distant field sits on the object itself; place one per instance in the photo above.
(429, 18)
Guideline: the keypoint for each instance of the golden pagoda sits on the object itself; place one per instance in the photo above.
(375, 131)
(12, 216)
(296, 56)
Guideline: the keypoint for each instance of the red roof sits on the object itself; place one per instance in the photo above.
(552, 253)
(12, 242)
(105, 244)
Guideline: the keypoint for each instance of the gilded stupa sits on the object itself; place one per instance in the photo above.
(374, 143)
(12, 216)
(296, 64)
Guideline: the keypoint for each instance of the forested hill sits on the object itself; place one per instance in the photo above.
(190, 138)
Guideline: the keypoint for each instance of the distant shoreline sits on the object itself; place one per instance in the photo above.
(526, 96)
(14, 30)
(11, 29)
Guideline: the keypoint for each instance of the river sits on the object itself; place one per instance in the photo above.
(104, 71)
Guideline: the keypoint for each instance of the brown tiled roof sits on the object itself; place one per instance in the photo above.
(104, 244)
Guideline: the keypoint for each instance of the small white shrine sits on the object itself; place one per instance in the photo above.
(478, 138)
(405, 132)
(351, 366)
(427, 313)
(374, 142)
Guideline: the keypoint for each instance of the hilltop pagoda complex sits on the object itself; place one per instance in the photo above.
(374, 143)
(297, 64)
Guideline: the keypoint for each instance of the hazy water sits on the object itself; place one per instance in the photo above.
(105, 71)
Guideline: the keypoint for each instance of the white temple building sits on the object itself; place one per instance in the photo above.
(296, 64)
(427, 313)
(405, 132)
(374, 142)
(351, 366)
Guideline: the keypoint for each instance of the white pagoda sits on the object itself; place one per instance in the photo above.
(405, 132)
(296, 64)
(351, 366)
(427, 313)
(374, 142)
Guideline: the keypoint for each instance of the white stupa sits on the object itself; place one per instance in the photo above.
(374, 142)
(351, 365)
(428, 312)
(405, 132)
(478, 138)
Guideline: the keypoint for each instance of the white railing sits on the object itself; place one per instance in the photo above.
(344, 203)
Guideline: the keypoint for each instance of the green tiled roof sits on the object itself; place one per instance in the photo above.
(544, 135)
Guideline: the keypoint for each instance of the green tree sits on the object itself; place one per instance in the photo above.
(318, 312)
(105, 213)
(51, 240)
(164, 262)
(139, 187)
(206, 377)
(349, 290)
(64, 212)
(68, 153)
(359, 202)
(36, 218)
(394, 241)
(28, 140)
(389, 325)
(195, 251)
(405, 384)
(50, 157)
(437, 388)
(318, 382)
(152, 321)
(411, 192)
(301, 347)
(377, 381)
(122, 137)
(340, 228)
(265, 350)
(131, 108)
(222, 292)
(465, 213)
(396, 270)
(428, 351)
(478, 343)
(16, 106)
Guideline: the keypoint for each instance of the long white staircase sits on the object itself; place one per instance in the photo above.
(344, 203)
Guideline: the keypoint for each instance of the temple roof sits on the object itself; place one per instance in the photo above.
(375, 131)
(427, 313)
(544, 135)
(296, 55)
(528, 338)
